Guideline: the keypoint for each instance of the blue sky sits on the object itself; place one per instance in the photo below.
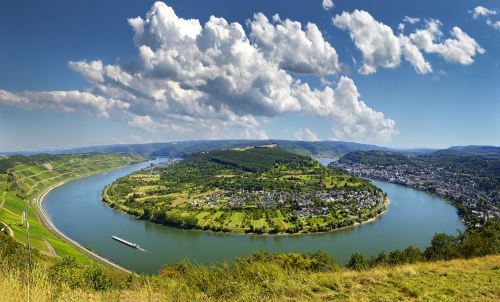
(392, 73)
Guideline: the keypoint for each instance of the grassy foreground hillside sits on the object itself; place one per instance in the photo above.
(456, 280)
(23, 179)
(410, 275)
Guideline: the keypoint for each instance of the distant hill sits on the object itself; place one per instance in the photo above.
(377, 158)
(475, 160)
(184, 148)
(478, 150)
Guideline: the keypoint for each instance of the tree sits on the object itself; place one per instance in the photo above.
(357, 262)
(443, 247)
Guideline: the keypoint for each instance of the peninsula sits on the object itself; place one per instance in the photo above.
(247, 190)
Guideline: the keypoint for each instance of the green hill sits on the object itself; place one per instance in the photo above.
(247, 190)
(377, 158)
(24, 178)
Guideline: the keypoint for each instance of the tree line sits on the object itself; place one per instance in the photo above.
(469, 244)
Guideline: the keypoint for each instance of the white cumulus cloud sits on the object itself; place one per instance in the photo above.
(458, 50)
(411, 20)
(210, 79)
(495, 25)
(327, 4)
(351, 118)
(381, 48)
(378, 44)
(255, 134)
(482, 11)
(293, 49)
(306, 135)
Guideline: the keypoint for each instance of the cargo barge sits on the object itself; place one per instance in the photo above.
(134, 245)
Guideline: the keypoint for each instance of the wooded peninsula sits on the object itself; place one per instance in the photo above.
(247, 190)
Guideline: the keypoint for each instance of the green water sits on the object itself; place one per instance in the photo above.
(75, 208)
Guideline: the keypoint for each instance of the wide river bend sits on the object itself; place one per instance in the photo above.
(76, 209)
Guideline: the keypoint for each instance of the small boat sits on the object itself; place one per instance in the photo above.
(134, 245)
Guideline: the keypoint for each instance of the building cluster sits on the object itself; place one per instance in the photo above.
(438, 181)
(310, 203)
(151, 169)
(324, 155)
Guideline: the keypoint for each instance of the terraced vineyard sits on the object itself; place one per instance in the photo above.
(26, 178)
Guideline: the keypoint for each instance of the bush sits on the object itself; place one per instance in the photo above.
(358, 262)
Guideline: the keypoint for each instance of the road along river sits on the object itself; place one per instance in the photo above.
(76, 209)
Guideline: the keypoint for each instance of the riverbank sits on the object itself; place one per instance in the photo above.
(47, 223)
(235, 231)
(387, 202)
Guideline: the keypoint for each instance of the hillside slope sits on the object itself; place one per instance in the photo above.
(457, 280)
(23, 179)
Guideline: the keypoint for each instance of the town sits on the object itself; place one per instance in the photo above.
(305, 204)
(454, 187)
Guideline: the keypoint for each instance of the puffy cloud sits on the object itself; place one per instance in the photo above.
(351, 118)
(306, 135)
(255, 134)
(139, 139)
(327, 4)
(482, 11)
(376, 41)
(326, 82)
(459, 50)
(414, 56)
(210, 79)
(298, 134)
(309, 135)
(261, 134)
(381, 48)
(293, 49)
(411, 20)
(67, 101)
(495, 25)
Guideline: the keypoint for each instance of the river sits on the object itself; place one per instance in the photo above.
(76, 209)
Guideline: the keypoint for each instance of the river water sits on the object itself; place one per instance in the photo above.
(76, 209)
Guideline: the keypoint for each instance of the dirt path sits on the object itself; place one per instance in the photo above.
(52, 252)
(3, 199)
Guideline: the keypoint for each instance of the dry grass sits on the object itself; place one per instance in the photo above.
(457, 280)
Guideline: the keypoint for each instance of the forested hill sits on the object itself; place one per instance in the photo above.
(377, 158)
(475, 160)
(257, 160)
(184, 148)
(464, 162)
(489, 151)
